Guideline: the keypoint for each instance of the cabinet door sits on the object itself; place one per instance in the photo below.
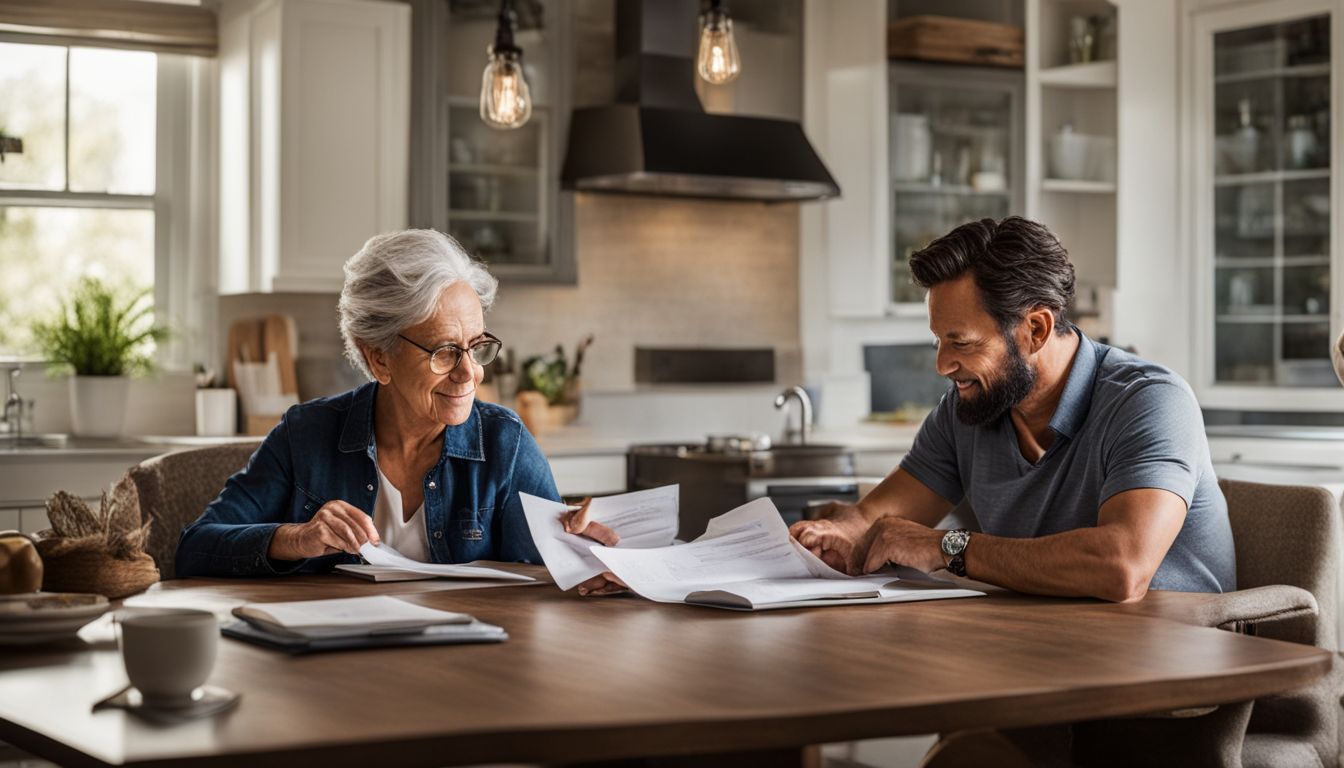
(314, 111)
(955, 156)
(497, 192)
(344, 109)
(1264, 232)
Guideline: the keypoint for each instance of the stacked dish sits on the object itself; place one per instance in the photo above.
(43, 617)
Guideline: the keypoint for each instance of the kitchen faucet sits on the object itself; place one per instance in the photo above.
(804, 416)
(12, 418)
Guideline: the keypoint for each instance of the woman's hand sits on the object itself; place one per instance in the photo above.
(579, 522)
(336, 527)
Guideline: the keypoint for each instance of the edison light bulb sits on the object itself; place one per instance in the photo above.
(718, 62)
(506, 101)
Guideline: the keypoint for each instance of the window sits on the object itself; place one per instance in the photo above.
(80, 199)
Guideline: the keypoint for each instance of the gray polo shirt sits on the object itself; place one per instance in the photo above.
(1122, 423)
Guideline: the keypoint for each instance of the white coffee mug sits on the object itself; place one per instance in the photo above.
(169, 653)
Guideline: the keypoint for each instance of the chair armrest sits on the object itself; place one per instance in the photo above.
(1242, 611)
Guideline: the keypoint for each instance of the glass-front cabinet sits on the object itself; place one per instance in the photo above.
(496, 191)
(955, 156)
(1265, 192)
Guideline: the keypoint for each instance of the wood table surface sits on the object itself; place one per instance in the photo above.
(599, 678)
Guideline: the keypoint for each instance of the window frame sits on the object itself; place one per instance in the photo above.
(182, 103)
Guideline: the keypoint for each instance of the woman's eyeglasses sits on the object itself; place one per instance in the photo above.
(445, 359)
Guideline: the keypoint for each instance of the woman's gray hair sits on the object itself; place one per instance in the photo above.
(395, 281)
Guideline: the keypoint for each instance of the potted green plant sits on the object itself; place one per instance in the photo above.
(104, 334)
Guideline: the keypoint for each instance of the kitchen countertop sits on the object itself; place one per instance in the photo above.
(72, 447)
(1272, 432)
(582, 441)
(579, 441)
(572, 441)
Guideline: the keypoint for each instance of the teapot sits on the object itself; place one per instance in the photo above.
(20, 565)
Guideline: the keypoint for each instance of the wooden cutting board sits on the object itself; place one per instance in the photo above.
(277, 338)
(252, 340)
(245, 345)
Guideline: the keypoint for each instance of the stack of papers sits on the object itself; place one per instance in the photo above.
(387, 564)
(356, 622)
(745, 560)
(642, 519)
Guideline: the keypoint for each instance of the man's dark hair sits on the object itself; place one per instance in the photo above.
(1018, 265)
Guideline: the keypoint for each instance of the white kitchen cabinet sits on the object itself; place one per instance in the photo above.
(314, 124)
(956, 156)
(1259, 143)
(496, 191)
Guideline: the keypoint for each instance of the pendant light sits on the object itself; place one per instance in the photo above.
(506, 101)
(718, 62)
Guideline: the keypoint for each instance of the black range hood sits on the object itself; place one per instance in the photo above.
(657, 139)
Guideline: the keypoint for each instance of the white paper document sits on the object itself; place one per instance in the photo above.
(642, 519)
(387, 557)
(747, 560)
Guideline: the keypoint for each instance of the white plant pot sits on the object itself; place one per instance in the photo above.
(98, 405)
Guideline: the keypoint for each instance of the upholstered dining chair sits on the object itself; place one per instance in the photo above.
(175, 488)
(1287, 540)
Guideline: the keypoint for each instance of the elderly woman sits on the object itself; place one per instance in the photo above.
(412, 459)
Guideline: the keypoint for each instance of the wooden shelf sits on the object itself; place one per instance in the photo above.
(495, 169)
(1302, 70)
(1078, 186)
(1269, 262)
(1269, 316)
(1267, 177)
(455, 214)
(1095, 74)
(925, 188)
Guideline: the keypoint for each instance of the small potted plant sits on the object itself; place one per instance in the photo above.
(103, 334)
(548, 394)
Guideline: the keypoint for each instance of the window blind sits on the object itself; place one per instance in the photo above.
(134, 24)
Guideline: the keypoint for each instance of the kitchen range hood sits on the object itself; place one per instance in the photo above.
(657, 139)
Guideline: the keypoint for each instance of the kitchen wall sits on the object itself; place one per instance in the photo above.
(665, 272)
(652, 271)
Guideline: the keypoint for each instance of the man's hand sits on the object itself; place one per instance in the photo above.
(604, 583)
(900, 541)
(578, 522)
(832, 537)
(336, 527)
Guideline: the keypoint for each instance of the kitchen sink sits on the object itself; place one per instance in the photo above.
(32, 441)
(714, 481)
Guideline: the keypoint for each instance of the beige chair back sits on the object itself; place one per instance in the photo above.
(1290, 534)
(175, 489)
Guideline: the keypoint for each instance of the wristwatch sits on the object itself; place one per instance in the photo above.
(954, 546)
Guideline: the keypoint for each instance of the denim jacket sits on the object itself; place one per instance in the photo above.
(323, 450)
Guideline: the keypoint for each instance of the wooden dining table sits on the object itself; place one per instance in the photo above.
(592, 679)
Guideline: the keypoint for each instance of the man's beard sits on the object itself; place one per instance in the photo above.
(1001, 393)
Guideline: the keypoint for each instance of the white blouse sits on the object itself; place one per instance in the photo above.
(406, 536)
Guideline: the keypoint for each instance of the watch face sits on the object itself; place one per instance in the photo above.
(954, 542)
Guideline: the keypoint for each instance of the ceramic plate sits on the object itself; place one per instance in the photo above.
(43, 617)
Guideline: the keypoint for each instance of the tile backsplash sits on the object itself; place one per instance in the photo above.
(668, 273)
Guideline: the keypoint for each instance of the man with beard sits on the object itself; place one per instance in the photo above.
(1086, 468)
